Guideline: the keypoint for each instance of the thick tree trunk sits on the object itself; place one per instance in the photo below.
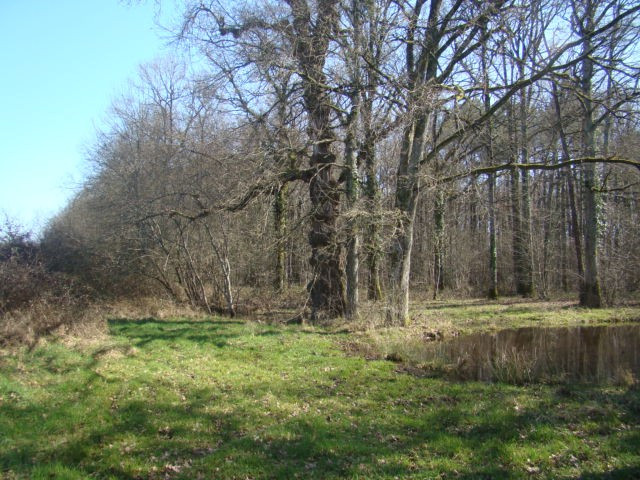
(313, 34)
(374, 288)
(590, 295)
(327, 287)
(353, 262)
(351, 158)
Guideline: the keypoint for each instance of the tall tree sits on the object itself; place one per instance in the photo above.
(599, 61)
(437, 37)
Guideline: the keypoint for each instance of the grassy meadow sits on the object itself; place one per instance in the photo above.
(212, 398)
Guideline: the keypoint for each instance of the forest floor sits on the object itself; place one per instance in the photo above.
(213, 398)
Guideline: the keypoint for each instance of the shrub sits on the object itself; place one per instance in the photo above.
(33, 301)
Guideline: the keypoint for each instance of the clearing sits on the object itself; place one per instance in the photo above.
(214, 398)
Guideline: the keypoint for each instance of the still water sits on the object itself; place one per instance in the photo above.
(602, 354)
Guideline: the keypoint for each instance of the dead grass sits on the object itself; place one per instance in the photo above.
(28, 324)
(81, 324)
(150, 307)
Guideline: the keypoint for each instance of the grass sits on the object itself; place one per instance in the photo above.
(471, 316)
(213, 398)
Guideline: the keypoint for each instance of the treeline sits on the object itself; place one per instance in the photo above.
(371, 148)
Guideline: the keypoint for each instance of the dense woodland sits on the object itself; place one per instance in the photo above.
(368, 150)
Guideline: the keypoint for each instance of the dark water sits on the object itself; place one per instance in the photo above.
(601, 354)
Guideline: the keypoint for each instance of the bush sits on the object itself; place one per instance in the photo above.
(33, 301)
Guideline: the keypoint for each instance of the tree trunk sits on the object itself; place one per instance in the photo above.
(562, 199)
(573, 208)
(222, 254)
(407, 192)
(525, 285)
(353, 246)
(280, 224)
(516, 229)
(493, 250)
(438, 243)
(546, 202)
(353, 243)
(398, 311)
(492, 292)
(327, 287)
(351, 161)
(575, 223)
(372, 191)
(590, 295)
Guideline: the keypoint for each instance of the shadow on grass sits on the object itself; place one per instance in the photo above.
(236, 445)
(147, 330)
(384, 427)
(308, 447)
(617, 474)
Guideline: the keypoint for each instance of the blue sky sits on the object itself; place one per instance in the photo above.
(63, 62)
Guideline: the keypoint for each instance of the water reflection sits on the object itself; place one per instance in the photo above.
(603, 354)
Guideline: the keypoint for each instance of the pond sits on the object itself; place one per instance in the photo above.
(601, 354)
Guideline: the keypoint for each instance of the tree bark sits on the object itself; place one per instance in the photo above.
(561, 197)
(526, 287)
(407, 192)
(372, 191)
(353, 243)
(590, 295)
(280, 224)
(571, 193)
(525, 284)
(438, 243)
(493, 249)
(312, 36)
(492, 292)
(327, 287)
(516, 229)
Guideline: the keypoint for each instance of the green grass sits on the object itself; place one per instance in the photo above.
(185, 399)
(469, 316)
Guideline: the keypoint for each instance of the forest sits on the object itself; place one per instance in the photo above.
(376, 149)
(325, 187)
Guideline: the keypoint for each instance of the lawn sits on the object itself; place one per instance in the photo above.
(214, 398)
